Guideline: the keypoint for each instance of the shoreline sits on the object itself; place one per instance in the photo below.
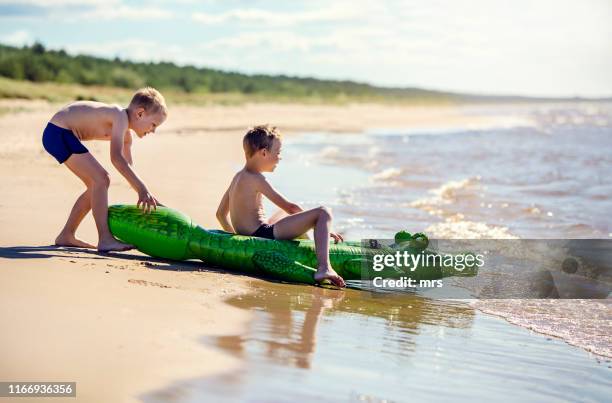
(599, 349)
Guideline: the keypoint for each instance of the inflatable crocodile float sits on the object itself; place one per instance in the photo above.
(170, 234)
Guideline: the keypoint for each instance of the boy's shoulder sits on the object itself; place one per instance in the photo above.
(245, 176)
(84, 104)
(113, 110)
(118, 112)
(115, 115)
(101, 109)
(256, 176)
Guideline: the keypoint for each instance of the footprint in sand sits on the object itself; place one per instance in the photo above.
(148, 283)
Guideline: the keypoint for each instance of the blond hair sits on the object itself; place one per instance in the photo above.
(151, 100)
(259, 138)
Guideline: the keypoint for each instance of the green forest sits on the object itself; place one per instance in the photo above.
(34, 72)
(37, 64)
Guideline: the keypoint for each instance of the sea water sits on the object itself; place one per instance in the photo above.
(551, 177)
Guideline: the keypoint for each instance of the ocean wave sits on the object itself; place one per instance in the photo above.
(446, 194)
(564, 319)
(330, 152)
(387, 174)
(461, 229)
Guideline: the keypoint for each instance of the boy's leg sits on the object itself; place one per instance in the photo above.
(97, 180)
(274, 218)
(80, 209)
(296, 224)
(279, 215)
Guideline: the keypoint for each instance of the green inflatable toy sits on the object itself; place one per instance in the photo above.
(170, 234)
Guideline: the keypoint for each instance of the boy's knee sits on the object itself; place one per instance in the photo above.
(325, 212)
(102, 180)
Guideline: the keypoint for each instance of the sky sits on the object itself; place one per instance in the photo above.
(520, 47)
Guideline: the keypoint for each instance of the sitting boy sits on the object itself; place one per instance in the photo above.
(87, 120)
(242, 200)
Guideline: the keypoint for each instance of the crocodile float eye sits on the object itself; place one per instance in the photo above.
(374, 244)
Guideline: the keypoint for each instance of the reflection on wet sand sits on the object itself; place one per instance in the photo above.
(284, 343)
(306, 343)
(285, 324)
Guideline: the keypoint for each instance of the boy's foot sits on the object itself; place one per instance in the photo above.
(113, 246)
(327, 273)
(72, 241)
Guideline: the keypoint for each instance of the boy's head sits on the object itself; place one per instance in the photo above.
(146, 111)
(262, 147)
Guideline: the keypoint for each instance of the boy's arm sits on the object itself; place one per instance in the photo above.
(222, 213)
(127, 148)
(120, 127)
(267, 190)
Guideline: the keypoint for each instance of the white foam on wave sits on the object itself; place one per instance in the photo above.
(387, 174)
(445, 194)
(330, 152)
(449, 190)
(463, 229)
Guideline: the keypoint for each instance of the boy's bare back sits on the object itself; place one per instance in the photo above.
(90, 120)
(245, 201)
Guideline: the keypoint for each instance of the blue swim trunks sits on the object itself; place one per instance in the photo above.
(61, 143)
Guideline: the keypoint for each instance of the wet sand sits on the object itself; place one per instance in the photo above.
(312, 344)
(122, 324)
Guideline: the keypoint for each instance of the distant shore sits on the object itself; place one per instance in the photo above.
(11, 89)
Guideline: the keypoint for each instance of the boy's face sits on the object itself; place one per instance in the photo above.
(271, 158)
(145, 123)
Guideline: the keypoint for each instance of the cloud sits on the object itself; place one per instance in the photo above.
(82, 10)
(17, 38)
(334, 13)
(281, 41)
(127, 13)
(132, 49)
(58, 3)
(50, 5)
(20, 10)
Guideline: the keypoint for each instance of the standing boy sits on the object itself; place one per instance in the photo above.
(87, 120)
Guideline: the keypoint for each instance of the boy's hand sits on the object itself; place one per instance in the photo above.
(337, 237)
(148, 201)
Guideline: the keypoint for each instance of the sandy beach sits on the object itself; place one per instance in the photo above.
(122, 324)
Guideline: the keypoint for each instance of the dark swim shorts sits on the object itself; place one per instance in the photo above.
(265, 231)
(61, 143)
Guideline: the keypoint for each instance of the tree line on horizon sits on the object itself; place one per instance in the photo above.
(37, 64)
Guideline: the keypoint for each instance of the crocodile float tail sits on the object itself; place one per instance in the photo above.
(163, 233)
